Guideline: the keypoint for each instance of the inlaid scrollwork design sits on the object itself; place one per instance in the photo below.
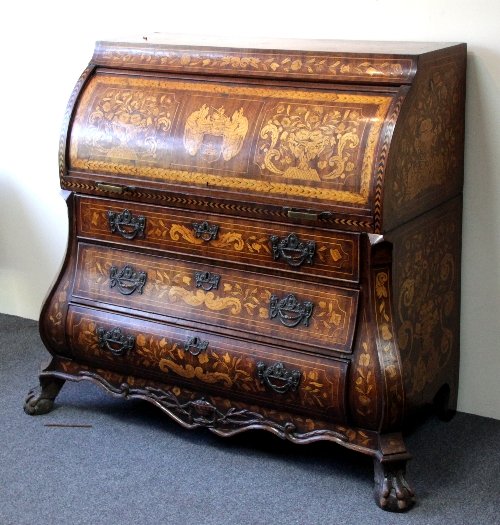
(239, 299)
(258, 63)
(387, 350)
(195, 360)
(428, 303)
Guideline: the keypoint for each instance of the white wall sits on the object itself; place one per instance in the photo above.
(46, 45)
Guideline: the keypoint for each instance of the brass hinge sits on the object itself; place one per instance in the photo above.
(113, 188)
(307, 215)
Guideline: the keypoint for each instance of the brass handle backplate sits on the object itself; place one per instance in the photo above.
(207, 281)
(205, 231)
(306, 215)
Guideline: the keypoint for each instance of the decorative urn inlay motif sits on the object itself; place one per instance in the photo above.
(310, 142)
(129, 124)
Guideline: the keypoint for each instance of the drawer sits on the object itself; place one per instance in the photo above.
(258, 373)
(297, 314)
(276, 246)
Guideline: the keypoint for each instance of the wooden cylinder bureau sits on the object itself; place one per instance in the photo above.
(265, 237)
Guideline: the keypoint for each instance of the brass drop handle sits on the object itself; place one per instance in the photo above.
(114, 341)
(278, 378)
(127, 280)
(289, 311)
(292, 250)
(129, 226)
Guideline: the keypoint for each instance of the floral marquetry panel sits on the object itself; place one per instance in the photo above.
(428, 167)
(432, 153)
(161, 351)
(294, 135)
(364, 393)
(427, 298)
(316, 145)
(388, 354)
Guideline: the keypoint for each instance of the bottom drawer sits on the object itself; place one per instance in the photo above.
(254, 372)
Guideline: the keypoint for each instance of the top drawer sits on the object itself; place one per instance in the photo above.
(279, 247)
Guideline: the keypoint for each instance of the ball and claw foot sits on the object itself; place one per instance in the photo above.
(392, 491)
(41, 400)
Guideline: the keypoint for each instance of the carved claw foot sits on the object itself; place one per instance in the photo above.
(392, 491)
(41, 400)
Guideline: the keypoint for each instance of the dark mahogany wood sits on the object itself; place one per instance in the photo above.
(265, 238)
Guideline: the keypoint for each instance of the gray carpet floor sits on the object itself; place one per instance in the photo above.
(132, 464)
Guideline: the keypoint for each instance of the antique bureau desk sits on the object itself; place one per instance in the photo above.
(265, 236)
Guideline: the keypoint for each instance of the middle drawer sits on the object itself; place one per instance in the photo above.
(266, 307)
